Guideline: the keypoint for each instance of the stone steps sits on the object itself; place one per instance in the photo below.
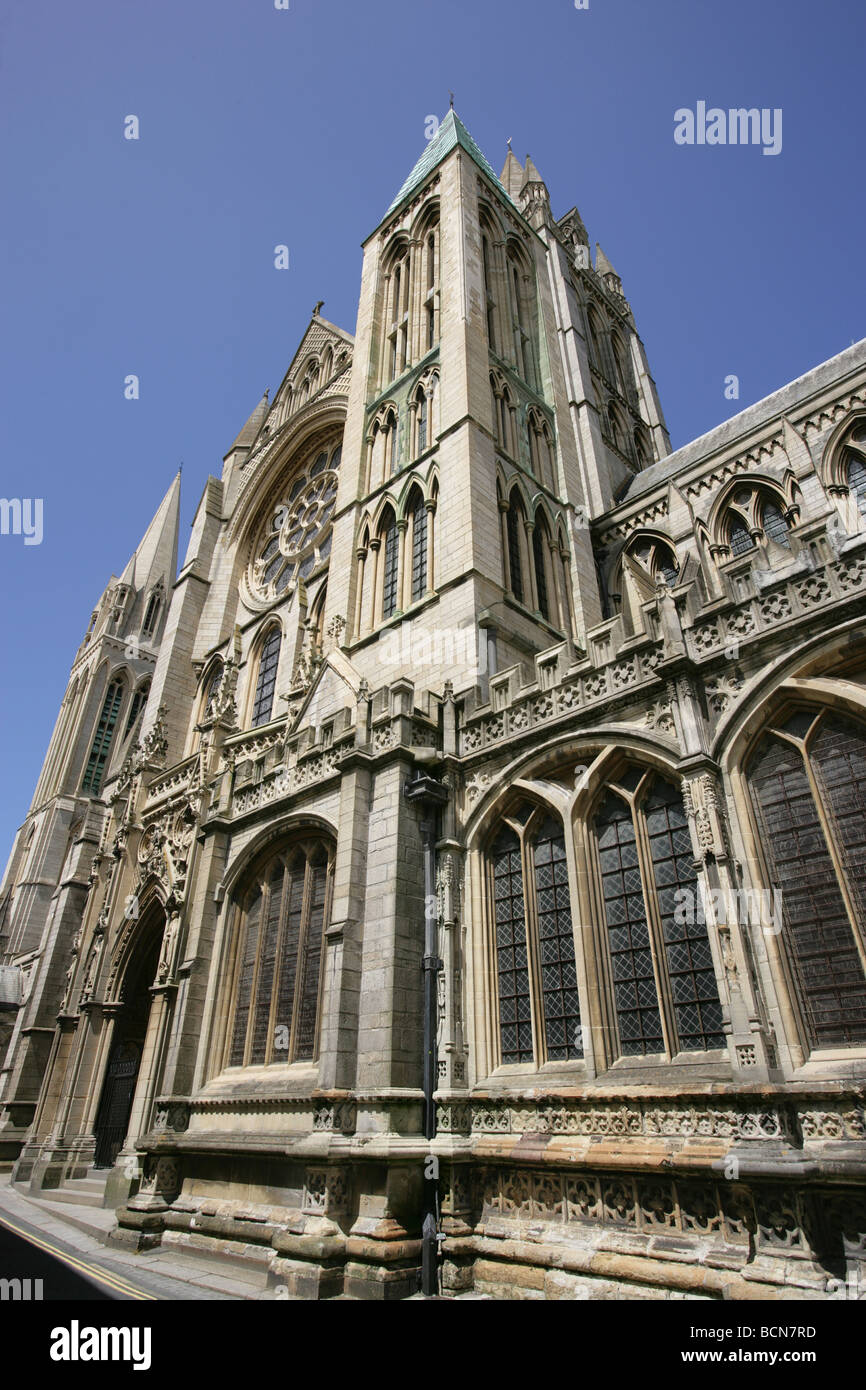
(79, 1192)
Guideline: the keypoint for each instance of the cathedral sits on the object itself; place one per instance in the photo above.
(453, 877)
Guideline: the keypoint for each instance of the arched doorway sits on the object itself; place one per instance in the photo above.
(127, 1045)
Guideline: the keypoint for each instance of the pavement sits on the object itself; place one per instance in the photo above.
(62, 1245)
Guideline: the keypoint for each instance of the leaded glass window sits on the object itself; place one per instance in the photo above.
(775, 526)
(739, 537)
(151, 615)
(634, 986)
(538, 1005)
(136, 705)
(419, 550)
(665, 992)
(281, 926)
(513, 520)
(266, 681)
(695, 995)
(103, 739)
(857, 480)
(560, 1004)
(808, 785)
(512, 958)
(390, 569)
(540, 574)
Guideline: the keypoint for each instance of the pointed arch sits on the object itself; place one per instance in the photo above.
(516, 549)
(104, 733)
(265, 660)
(389, 545)
(417, 544)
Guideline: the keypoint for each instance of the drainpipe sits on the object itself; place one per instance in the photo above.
(430, 795)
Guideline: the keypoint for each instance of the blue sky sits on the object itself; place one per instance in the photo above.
(261, 126)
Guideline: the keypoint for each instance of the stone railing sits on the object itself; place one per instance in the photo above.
(766, 1115)
(777, 603)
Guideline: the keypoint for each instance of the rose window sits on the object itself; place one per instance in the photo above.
(297, 538)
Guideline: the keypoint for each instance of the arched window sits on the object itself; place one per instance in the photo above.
(390, 552)
(617, 434)
(281, 918)
(619, 365)
(665, 994)
(421, 426)
(775, 526)
(522, 318)
(594, 326)
(641, 449)
(136, 705)
(489, 298)
(418, 516)
(497, 420)
(808, 785)
(538, 1010)
(515, 523)
(151, 615)
(740, 538)
(103, 738)
(657, 557)
(397, 313)
(856, 475)
(266, 679)
(210, 692)
(431, 280)
(390, 443)
(506, 434)
(540, 550)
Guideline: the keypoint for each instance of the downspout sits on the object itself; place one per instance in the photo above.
(430, 795)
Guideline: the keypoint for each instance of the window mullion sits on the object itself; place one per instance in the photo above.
(278, 967)
(825, 817)
(254, 983)
(654, 929)
(302, 947)
(530, 909)
(239, 932)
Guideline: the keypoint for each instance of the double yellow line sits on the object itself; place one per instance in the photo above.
(111, 1281)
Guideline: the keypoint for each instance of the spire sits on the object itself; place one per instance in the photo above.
(451, 133)
(246, 438)
(530, 173)
(534, 197)
(155, 556)
(512, 175)
(604, 268)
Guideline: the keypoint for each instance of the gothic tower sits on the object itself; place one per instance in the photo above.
(48, 875)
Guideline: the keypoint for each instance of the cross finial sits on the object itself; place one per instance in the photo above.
(451, 102)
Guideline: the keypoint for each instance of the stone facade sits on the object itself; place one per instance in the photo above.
(457, 546)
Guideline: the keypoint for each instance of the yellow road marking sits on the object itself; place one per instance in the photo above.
(111, 1281)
